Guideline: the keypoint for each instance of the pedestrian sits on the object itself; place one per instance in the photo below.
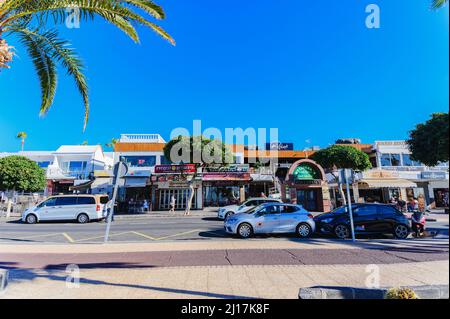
(145, 205)
(401, 204)
(172, 204)
(413, 204)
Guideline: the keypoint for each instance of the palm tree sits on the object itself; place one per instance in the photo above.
(112, 143)
(436, 4)
(27, 20)
(22, 136)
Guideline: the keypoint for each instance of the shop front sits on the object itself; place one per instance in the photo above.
(223, 188)
(174, 183)
(307, 186)
(381, 186)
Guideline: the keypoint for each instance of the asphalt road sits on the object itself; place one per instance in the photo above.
(135, 229)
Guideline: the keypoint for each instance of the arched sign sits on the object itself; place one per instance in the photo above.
(306, 172)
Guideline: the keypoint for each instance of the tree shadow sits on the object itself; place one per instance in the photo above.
(53, 273)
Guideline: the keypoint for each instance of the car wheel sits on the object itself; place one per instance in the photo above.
(228, 215)
(304, 230)
(342, 231)
(31, 219)
(245, 230)
(401, 231)
(82, 218)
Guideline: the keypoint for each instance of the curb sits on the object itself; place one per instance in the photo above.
(3, 279)
(423, 292)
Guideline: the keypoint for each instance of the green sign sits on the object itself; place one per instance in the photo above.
(304, 172)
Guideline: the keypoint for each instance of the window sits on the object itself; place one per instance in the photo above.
(288, 209)
(43, 164)
(165, 161)
(251, 203)
(65, 201)
(395, 160)
(48, 203)
(385, 160)
(77, 166)
(365, 210)
(139, 161)
(86, 200)
(270, 210)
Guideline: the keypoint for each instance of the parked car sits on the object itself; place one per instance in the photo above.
(82, 208)
(368, 219)
(226, 211)
(271, 218)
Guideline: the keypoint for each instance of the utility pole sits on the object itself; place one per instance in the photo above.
(120, 169)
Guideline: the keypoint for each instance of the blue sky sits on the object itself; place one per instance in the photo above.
(311, 69)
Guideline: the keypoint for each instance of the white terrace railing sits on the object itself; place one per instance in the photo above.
(141, 138)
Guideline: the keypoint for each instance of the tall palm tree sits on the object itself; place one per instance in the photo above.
(436, 4)
(27, 20)
(112, 143)
(22, 136)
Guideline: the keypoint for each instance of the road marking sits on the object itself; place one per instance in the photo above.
(37, 236)
(70, 239)
(143, 235)
(179, 234)
(102, 236)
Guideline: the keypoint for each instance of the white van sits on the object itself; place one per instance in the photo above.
(82, 208)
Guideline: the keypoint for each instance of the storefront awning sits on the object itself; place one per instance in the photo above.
(386, 183)
(81, 187)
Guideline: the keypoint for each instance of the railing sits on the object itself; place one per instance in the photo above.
(141, 138)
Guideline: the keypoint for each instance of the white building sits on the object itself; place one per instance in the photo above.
(70, 167)
(397, 175)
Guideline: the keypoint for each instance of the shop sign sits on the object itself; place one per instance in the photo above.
(168, 178)
(139, 173)
(175, 169)
(226, 176)
(235, 168)
(280, 146)
(308, 182)
(305, 172)
(433, 175)
(380, 174)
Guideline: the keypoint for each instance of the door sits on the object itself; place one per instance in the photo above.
(365, 218)
(289, 219)
(308, 199)
(386, 219)
(268, 220)
(46, 209)
(66, 208)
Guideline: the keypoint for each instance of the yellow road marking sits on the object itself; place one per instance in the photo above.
(70, 239)
(42, 235)
(143, 235)
(179, 234)
(102, 236)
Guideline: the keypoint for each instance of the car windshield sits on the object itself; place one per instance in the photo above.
(251, 211)
(340, 210)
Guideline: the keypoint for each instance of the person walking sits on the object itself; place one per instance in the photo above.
(172, 204)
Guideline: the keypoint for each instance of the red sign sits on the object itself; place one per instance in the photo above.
(218, 176)
(175, 169)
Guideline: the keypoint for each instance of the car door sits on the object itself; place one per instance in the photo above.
(268, 220)
(65, 208)
(46, 209)
(87, 205)
(365, 218)
(386, 218)
(289, 219)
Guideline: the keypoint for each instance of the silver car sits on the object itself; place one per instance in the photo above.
(271, 218)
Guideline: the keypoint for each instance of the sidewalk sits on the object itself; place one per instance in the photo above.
(218, 281)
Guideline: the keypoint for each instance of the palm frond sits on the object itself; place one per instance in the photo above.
(436, 4)
(60, 50)
(45, 68)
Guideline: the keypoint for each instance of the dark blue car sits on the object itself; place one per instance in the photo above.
(368, 219)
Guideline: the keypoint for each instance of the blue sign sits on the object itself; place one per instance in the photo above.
(433, 175)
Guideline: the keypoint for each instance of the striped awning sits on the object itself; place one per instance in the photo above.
(386, 183)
